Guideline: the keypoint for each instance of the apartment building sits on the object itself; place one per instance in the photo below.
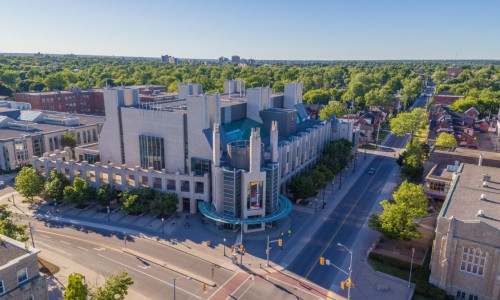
(19, 274)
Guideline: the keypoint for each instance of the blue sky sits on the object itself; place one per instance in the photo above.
(272, 29)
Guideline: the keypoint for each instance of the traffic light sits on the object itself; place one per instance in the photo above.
(342, 285)
(322, 260)
(280, 243)
(232, 248)
(348, 282)
(241, 246)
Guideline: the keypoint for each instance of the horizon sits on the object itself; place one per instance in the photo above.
(293, 31)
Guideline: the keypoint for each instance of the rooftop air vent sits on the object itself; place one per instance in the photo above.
(480, 213)
(483, 197)
(486, 177)
(485, 183)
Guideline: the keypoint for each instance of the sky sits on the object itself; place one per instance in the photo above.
(258, 29)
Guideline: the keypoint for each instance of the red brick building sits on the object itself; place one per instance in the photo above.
(453, 72)
(90, 102)
(446, 98)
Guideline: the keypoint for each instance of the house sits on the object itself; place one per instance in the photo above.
(462, 126)
(313, 110)
(453, 72)
(472, 113)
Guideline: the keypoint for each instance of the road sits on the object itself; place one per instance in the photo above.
(345, 221)
(102, 253)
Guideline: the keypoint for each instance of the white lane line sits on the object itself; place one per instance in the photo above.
(144, 267)
(57, 249)
(45, 236)
(65, 242)
(100, 249)
(253, 282)
(151, 276)
(83, 248)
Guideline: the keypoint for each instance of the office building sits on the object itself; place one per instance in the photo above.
(233, 152)
(28, 133)
(466, 252)
(235, 59)
(19, 274)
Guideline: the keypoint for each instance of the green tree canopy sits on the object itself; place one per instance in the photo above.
(446, 140)
(106, 193)
(68, 140)
(55, 184)
(317, 96)
(397, 221)
(115, 288)
(29, 183)
(8, 226)
(76, 289)
(79, 193)
(333, 108)
(408, 122)
(379, 97)
(164, 203)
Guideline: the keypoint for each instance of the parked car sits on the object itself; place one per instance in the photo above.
(372, 171)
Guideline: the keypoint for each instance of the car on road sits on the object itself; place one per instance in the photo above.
(372, 171)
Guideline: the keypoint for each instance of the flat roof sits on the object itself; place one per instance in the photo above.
(41, 127)
(464, 199)
(9, 251)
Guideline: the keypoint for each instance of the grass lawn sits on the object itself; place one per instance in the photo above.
(368, 146)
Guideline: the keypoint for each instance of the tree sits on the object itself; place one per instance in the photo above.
(29, 183)
(9, 228)
(317, 96)
(79, 193)
(130, 202)
(379, 97)
(164, 203)
(55, 82)
(106, 194)
(408, 122)
(54, 186)
(333, 108)
(446, 140)
(439, 76)
(76, 289)
(5, 90)
(115, 288)
(396, 222)
(68, 140)
(302, 187)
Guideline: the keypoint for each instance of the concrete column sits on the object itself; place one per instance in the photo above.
(58, 164)
(137, 180)
(71, 170)
(151, 172)
(84, 165)
(97, 169)
(163, 180)
(178, 189)
(111, 178)
(192, 198)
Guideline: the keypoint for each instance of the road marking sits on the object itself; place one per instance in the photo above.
(340, 227)
(144, 267)
(295, 287)
(151, 276)
(57, 249)
(100, 249)
(81, 240)
(83, 248)
(46, 236)
(251, 284)
(64, 242)
(236, 273)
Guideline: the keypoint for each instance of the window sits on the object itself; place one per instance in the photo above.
(437, 186)
(152, 152)
(2, 289)
(22, 275)
(473, 297)
(460, 295)
(473, 260)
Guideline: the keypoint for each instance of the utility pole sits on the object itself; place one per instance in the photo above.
(31, 233)
(324, 192)
(268, 249)
(411, 266)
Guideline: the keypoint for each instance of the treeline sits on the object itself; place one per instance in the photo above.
(335, 157)
(480, 85)
(58, 188)
(367, 83)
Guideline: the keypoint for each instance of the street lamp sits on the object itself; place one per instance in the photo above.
(162, 225)
(324, 192)
(350, 271)
(224, 247)
(175, 278)
(316, 205)
(346, 169)
(340, 178)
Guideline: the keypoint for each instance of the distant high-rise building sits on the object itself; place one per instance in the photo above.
(173, 60)
(165, 58)
(235, 59)
(221, 60)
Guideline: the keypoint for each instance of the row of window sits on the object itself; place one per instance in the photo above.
(461, 296)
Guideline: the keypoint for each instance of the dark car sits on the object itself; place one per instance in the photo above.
(371, 171)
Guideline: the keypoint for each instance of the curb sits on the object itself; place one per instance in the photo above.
(170, 267)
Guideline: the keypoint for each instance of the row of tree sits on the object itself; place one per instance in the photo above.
(30, 184)
(335, 157)
(115, 288)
